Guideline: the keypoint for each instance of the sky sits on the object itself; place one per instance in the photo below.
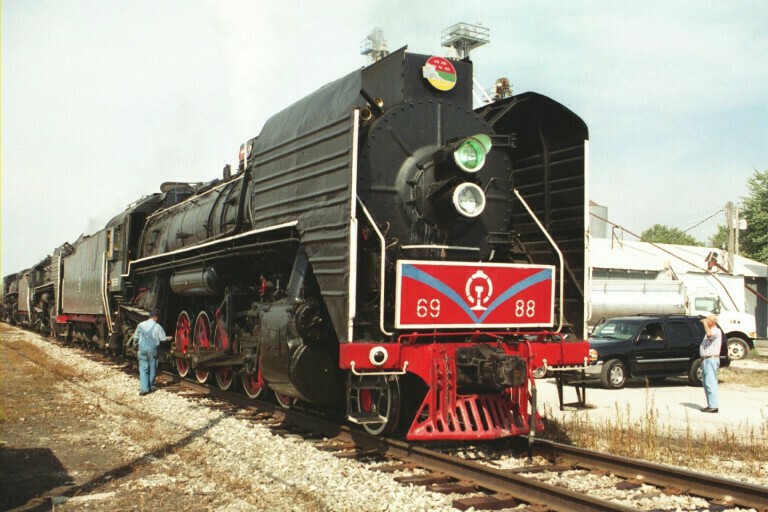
(104, 100)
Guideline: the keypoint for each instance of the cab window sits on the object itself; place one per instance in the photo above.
(680, 330)
(654, 330)
(705, 304)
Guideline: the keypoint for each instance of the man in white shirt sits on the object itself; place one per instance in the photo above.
(709, 350)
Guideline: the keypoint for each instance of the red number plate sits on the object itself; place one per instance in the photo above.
(445, 294)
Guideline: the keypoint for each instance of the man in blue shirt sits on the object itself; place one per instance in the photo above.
(149, 334)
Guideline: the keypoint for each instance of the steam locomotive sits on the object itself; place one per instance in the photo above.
(381, 247)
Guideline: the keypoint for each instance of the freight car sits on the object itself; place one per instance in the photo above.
(381, 248)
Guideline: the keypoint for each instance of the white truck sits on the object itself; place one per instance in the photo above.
(692, 294)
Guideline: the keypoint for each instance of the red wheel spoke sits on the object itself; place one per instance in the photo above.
(182, 342)
(285, 401)
(252, 385)
(224, 375)
(202, 341)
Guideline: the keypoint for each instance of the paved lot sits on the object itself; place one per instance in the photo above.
(676, 404)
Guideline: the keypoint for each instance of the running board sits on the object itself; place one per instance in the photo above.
(209, 359)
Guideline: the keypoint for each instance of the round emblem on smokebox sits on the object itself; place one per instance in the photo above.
(440, 73)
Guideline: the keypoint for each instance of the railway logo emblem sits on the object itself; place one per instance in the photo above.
(478, 290)
(440, 73)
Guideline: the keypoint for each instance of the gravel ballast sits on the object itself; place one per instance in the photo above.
(178, 454)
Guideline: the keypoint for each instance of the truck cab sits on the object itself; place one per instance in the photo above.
(650, 346)
(739, 328)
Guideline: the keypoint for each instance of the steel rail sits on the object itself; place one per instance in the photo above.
(699, 484)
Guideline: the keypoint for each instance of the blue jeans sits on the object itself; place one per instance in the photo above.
(147, 369)
(709, 368)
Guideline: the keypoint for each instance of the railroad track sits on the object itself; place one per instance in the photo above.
(485, 486)
(503, 488)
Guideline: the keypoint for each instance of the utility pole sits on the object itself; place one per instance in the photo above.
(736, 228)
(729, 225)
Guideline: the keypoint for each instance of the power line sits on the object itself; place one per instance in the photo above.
(705, 220)
(691, 217)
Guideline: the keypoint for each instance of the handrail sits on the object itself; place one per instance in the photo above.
(559, 255)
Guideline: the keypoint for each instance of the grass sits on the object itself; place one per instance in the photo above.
(44, 364)
(743, 376)
(650, 439)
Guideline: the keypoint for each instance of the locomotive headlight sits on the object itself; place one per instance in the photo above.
(471, 152)
(378, 356)
(468, 199)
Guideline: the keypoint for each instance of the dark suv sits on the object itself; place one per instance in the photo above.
(655, 347)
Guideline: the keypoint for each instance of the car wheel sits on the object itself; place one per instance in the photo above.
(694, 374)
(737, 349)
(614, 374)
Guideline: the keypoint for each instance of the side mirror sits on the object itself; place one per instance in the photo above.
(643, 337)
(601, 321)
